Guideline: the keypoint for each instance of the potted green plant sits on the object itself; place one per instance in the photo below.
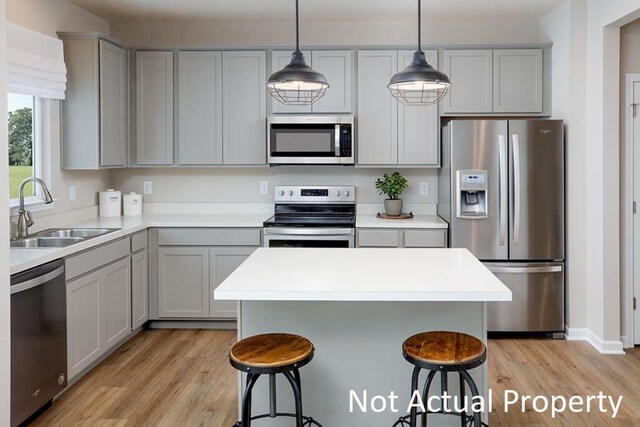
(392, 184)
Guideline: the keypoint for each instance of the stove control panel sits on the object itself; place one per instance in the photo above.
(315, 194)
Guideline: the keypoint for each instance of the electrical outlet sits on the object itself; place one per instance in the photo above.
(424, 188)
(147, 188)
(264, 187)
(72, 192)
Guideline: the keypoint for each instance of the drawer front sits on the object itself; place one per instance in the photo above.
(98, 257)
(425, 239)
(378, 238)
(139, 241)
(209, 237)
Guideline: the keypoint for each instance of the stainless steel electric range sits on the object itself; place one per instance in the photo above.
(312, 217)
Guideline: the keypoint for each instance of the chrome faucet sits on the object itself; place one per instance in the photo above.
(25, 220)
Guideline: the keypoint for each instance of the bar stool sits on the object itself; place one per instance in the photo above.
(444, 352)
(271, 354)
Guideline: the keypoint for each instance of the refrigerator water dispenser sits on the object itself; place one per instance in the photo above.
(472, 194)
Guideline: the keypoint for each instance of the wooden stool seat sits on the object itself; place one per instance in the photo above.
(441, 350)
(272, 351)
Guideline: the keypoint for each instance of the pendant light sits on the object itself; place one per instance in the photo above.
(297, 83)
(419, 83)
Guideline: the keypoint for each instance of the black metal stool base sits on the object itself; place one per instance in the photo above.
(406, 420)
(307, 421)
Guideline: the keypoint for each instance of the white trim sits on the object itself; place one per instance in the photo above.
(584, 334)
(627, 216)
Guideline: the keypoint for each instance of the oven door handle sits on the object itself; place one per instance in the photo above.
(309, 231)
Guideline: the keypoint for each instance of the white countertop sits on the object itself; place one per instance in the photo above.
(418, 221)
(362, 274)
(24, 259)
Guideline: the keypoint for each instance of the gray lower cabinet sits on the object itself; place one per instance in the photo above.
(390, 133)
(200, 108)
(188, 264)
(98, 314)
(95, 113)
(244, 115)
(222, 262)
(183, 282)
(401, 238)
(139, 288)
(154, 108)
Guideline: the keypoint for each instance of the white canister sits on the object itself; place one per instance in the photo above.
(132, 204)
(110, 203)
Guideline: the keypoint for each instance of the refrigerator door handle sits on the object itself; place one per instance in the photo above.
(502, 144)
(521, 270)
(516, 189)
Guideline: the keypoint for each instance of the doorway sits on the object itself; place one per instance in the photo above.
(633, 195)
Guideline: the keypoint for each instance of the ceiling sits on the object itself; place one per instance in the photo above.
(310, 10)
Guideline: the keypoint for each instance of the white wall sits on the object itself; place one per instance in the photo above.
(268, 33)
(241, 185)
(47, 17)
(604, 19)
(565, 27)
(5, 318)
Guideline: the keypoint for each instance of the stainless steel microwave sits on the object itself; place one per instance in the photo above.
(308, 140)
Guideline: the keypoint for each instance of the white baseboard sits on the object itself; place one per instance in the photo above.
(604, 347)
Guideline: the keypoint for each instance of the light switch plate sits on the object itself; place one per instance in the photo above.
(147, 187)
(264, 187)
(424, 188)
(72, 192)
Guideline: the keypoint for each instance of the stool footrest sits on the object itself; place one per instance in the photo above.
(404, 420)
(307, 421)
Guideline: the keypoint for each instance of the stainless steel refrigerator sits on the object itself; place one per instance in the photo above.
(501, 189)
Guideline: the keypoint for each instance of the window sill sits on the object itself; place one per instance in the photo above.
(31, 205)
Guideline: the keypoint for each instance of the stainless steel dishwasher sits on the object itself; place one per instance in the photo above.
(38, 339)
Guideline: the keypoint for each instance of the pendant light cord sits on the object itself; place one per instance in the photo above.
(297, 29)
(419, 25)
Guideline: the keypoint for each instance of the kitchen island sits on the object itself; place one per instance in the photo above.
(357, 306)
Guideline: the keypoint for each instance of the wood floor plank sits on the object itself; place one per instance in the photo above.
(183, 378)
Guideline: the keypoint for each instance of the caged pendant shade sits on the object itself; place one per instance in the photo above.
(419, 83)
(297, 83)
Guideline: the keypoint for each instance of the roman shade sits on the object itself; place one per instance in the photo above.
(35, 64)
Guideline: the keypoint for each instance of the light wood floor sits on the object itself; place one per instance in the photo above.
(182, 378)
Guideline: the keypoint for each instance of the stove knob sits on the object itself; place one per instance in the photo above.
(338, 193)
(291, 193)
(281, 192)
(346, 193)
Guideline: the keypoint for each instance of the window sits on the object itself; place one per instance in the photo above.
(22, 145)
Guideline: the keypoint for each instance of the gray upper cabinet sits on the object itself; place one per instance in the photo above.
(95, 113)
(377, 109)
(390, 133)
(471, 75)
(517, 81)
(336, 65)
(113, 105)
(418, 126)
(154, 108)
(279, 59)
(244, 136)
(200, 108)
